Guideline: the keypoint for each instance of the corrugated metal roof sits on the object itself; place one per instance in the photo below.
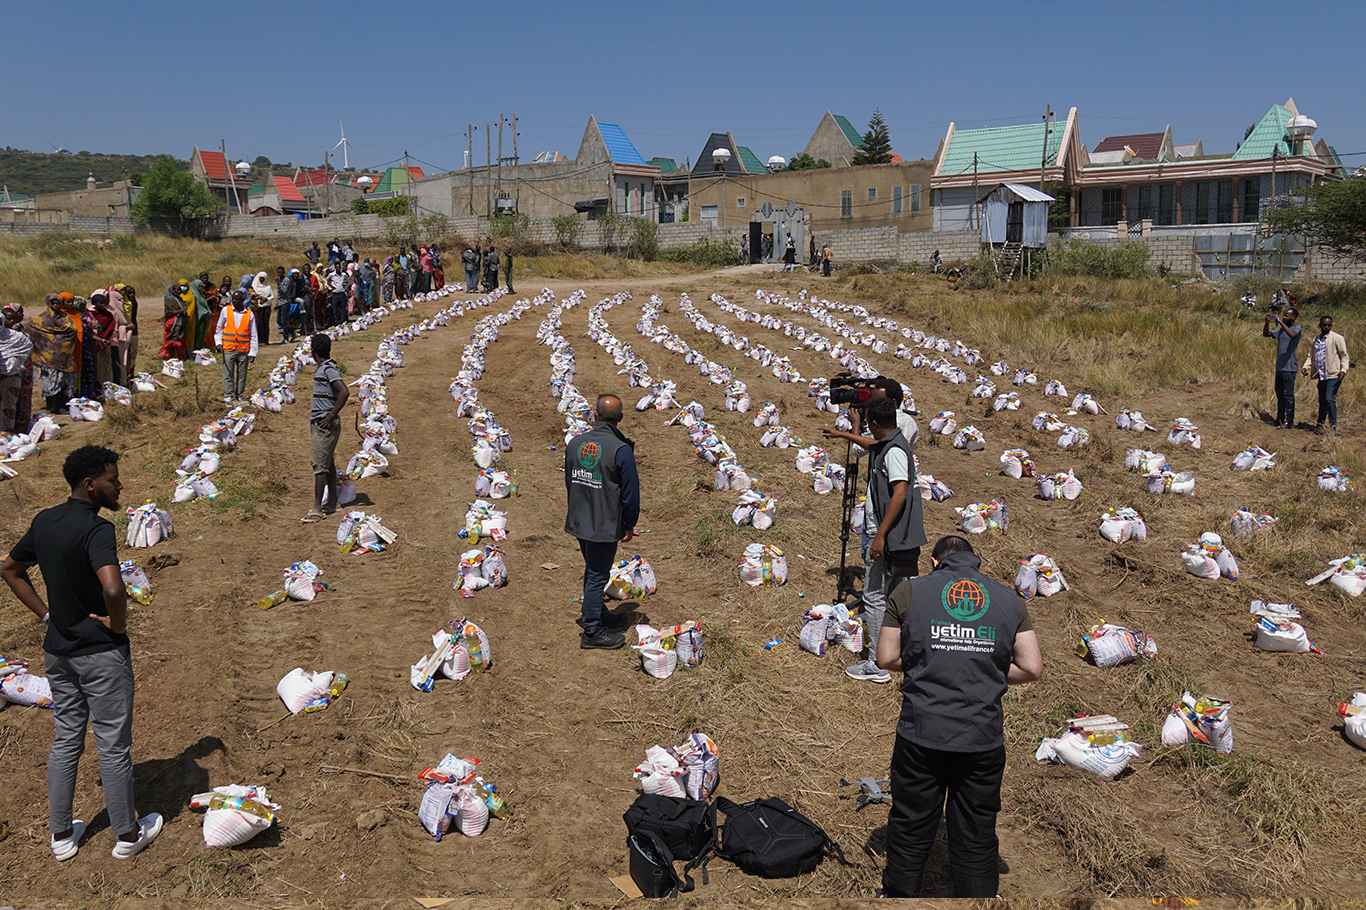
(618, 146)
(1267, 136)
(1001, 148)
(665, 165)
(287, 190)
(750, 161)
(215, 166)
(1027, 193)
(1144, 145)
(850, 133)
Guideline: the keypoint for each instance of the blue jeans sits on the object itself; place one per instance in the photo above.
(1285, 398)
(1328, 401)
(469, 281)
(597, 566)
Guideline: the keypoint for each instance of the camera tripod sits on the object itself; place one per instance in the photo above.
(848, 499)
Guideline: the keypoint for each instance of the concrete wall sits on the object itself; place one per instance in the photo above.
(819, 193)
(830, 143)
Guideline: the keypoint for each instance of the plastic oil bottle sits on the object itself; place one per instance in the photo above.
(270, 600)
(475, 650)
(498, 806)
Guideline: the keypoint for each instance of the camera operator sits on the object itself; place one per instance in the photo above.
(1287, 336)
(893, 525)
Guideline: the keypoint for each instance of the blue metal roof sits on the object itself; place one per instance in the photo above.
(618, 146)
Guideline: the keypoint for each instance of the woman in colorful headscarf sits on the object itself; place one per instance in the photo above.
(438, 273)
(16, 372)
(369, 279)
(56, 352)
(352, 288)
(173, 325)
(386, 279)
(424, 258)
(400, 275)
(199, 289)
(130, 315)
(103, 336)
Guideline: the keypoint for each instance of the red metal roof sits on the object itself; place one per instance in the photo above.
(1145, 145)
(288, 191)
(316, 177)
(415, 172)
(215, 166)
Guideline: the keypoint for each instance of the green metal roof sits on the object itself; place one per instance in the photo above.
(850, 133)
(1267, 136)
(1001, 148)
(665, 165)
(749, 161)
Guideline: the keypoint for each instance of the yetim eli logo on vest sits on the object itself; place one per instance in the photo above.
(588, 472)
(965, 601)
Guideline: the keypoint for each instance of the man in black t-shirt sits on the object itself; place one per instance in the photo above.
(961, 638)
(86, 649)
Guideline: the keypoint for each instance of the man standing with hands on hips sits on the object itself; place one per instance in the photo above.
(85, 650)
(604, 506)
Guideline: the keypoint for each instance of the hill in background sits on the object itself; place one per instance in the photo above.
(34, 173)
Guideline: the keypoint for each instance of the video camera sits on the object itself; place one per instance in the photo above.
(846, 388)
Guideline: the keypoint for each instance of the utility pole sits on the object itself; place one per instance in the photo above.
(973, 220)
(469, 162)
(232, 178)
(515, 159)
(327, 188)
(408, 181)
(498, 193)
(488, 162)
(1043, 160)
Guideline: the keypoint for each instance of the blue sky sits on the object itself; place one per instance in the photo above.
(149, 76)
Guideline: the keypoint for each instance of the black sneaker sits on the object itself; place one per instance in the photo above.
(602, 640)
(614, 622)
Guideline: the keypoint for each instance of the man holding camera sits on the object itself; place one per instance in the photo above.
(1287, 336)
(893, 524)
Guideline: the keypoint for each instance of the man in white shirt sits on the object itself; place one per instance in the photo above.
(1328, 363)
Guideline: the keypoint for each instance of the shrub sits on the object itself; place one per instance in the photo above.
(1082, 258)
(705, 252)
(568, 229)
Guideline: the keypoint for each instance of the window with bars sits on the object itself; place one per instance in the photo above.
(896, 200)
(915, 198)
(1223, 202)
(1251, 208)
(872, 193)
(846, 203)
(1111, 204)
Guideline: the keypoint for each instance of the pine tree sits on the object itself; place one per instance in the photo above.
(877, 145)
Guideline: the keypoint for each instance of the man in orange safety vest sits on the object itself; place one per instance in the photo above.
(235, 338)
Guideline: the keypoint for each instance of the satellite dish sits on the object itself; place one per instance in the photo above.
(1301, 127)
(719, 157)
(791, 209)
(767, 209)
(364, 183)
(777, 162)
(243, 167)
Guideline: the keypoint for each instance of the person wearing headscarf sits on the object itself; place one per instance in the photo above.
(202, 311)
(94, 348)
(56, 352)
(105, 322)
(428, 274)
(126, 296)
(438, 273)
(122, 334)
(173, 325)
(386, 279)
(191, 317)
(16, 373)
(352, 288)
(401, 275)
(262, 297)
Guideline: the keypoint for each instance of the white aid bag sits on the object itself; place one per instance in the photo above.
(661, 774)
(702, 760)
(1016, 463)
(811, 458)
(485, 454)
(1183, 432)
(366, 464)
(1246, 522)
(980, 517)
(47, 425)
(203, 357)
(117, 393)
(1074, 437)
(299, 581)
(346, 490)
(1129, 419)
(931, 488)
(85, 409)
(1144, 462)
(970, 439)
(767, 415)
(1054, 387)
(630, 579)
(299, 688)
(493, 484)
(1271, 634)
(1039, 575)
(1110, 645)
(828, 479)
(1008, 401)
(1213, 545)
(1168, 481)
(231, 827)
(656, 659)
(944, 423)
(1123, 525)
(1355, 728)
(147, 525)
(1105, 762)
(815, 633)
(755, 509)
(1084, 402)
(1199, 563)
(1254, 458)
(731, 476)
(762, 564)
(173, 367)
(1059, 486)
(688, 644)
(1332, 480)
(1047, 422)
(776, 436)
(472, 813)
(26, 689)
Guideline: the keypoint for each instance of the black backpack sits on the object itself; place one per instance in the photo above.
(769, 838)
(686, 826)
(652, 866)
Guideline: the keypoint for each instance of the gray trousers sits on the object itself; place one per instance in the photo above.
(95, 688)
(875, 578)
(235, 374)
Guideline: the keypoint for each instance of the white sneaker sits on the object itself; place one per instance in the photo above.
(227, 399)
(149, 826)
(868, 671)
(66, 848)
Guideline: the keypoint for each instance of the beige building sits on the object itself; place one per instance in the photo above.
(834, 199)
(115, 199)
(835, 140)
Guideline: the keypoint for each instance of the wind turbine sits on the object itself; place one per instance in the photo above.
(56, 150)
(345, 146)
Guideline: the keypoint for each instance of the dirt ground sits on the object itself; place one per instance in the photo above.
(559, 729)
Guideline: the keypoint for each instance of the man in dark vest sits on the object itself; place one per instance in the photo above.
(604, 505)
(961, 638)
